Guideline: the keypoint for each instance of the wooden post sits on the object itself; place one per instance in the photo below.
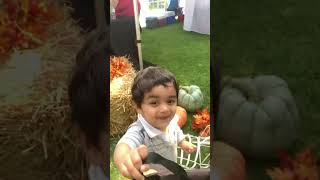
(136, 18)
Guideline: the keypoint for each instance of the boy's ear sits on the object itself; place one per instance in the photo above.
(139, 111)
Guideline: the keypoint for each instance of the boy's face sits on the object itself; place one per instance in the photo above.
(159, 106)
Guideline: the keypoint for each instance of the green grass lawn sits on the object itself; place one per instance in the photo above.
(186, 54)
(273, 37)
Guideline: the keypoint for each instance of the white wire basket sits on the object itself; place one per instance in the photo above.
(198, 159)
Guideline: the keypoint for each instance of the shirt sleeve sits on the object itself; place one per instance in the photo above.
(133, 137)
(177, 129)
(180, 135)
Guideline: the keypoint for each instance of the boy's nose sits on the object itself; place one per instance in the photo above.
(164, 108)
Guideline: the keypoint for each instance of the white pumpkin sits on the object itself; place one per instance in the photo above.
(190, 98)
(257, 116)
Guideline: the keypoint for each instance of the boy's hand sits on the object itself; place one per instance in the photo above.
(131, 166)
(187, 146)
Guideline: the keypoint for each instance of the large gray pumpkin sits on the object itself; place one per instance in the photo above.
(257, 116)
(190, 97)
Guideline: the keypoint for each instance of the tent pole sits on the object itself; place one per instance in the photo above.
(136, 19)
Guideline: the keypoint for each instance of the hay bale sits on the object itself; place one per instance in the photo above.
(50, 130)
(42, 125)
(122, 111)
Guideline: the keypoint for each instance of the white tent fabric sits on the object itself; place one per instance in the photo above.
(143, 12)
(146, 12)
(197, 16)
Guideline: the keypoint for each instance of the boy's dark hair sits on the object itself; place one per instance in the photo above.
(148, 78)
(88, 88)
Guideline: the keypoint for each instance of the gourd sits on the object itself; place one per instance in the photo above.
(190, 98)
(182, 113)
(228, 163)
(257, 115)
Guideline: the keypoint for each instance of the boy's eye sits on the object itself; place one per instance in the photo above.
(171, 101)
(153, 103)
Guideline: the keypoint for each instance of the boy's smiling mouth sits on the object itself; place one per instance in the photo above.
(164, 118)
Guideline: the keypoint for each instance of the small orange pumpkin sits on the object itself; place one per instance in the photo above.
(182, 113)
(228, 162)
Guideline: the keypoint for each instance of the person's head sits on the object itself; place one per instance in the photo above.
(155, 94)
(87, 89)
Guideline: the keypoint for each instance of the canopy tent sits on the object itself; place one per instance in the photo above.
(196, 13)
(157, 8)
(197, 16)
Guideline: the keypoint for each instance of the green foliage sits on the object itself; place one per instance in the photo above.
(186, 54)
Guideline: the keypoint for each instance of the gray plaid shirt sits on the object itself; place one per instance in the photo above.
(141, 132)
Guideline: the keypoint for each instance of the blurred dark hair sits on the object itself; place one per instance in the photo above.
(148, 78)
(88, 87)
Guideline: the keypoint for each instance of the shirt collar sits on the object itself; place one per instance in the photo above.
(152, 131)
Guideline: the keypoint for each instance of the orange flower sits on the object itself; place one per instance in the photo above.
(304, 166)
(201, 120)
(307, 157)
(118, 67)
(25, 23)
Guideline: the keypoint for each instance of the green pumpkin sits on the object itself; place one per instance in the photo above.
(257, 116)
(190, 98)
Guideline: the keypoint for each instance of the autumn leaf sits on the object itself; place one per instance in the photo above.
(306, 172)
(200, 120)
(307, 157)
(25, 23)
(286, 161)
(118, 67)
(280, 174)
(303, 167)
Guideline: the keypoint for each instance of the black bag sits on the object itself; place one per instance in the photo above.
(171, 170)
